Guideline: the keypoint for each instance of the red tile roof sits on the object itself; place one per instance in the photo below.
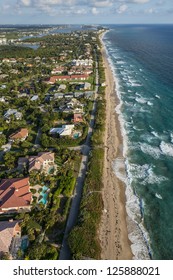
(22, 133)
(53, 79)
(15, 193)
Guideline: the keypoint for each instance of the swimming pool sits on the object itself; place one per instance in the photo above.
(76, 135)
(44, 195)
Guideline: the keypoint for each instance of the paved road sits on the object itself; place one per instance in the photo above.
(37, 139)
(1, 155)
(74, 210)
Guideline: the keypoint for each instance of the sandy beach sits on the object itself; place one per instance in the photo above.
(113, 229)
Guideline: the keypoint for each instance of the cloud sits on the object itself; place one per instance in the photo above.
(102, 3)
(150, 11)
(25, 2)
(135, 1)
(121, 9)
(94, 11)
(140, 1)
(6, 7)
(81, 7)
(55, 4)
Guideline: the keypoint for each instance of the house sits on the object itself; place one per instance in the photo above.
(84, 62)
(78, 94)
(78, 109)
(6, 60)
(12, 60)
(58, 95)
(81, 77)
(58, 70)
(15, 195)
(10, 232)
(3, 76)
(88, 71)
(34, 98)
(87, 86)
(55, 79)
(43, 162)
(12, 112)
(6, 147)
(89, 94)
(3, 41)
(3, 86)
(62, 87)
(20, 135)
(2, 99)
(69, 95)
(77, 118)
(65, 130)
(67, 110)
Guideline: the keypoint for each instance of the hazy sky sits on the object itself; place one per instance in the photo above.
(85, 11)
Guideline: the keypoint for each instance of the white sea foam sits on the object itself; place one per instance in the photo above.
(136, 171)
(149, 103)
(118, 108)
(136, 85)
(141, 100)
(152, 178)
(158, 196)
(162, 137)
(139, 239)
(120, 62)
(147, 137)
(119, 169)
(171, 136)
(155, 134)
(137, 233)
(166, 148)
(138, 129)
(150, 150)
(157, 96)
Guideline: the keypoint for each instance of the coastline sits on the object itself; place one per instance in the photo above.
(113, 233)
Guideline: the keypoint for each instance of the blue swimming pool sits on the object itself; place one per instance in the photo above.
(44, 195)
(76, 135)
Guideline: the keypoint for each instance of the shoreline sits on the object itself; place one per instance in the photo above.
(113, 233)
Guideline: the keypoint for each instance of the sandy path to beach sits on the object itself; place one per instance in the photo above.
(113, 229)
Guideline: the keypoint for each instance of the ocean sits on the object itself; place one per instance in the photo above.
(141, 57)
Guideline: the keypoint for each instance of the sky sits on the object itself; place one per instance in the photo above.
(85, 11)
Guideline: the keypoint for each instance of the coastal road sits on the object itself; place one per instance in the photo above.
(74, 210)
(75, 206)
(38, 136)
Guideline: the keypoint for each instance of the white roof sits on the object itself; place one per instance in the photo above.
(35, 97)
(62, 86)
(65, 130)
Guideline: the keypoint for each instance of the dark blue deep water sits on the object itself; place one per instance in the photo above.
(142, 61)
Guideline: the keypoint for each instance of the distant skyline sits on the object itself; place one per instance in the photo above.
(85, 11)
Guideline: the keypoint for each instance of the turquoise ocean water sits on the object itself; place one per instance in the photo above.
(141, 58)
